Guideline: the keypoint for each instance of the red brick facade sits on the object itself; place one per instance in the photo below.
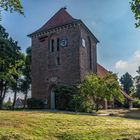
(63, 52)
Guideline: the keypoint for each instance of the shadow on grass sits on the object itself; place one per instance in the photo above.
(133, 114)
(61, 112)
(132, 138)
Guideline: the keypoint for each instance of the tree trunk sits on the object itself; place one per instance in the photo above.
(106, 104)
(1, 91)
(25, 99)
(3, 96)
(97, 106)
(1, 88)
(15, 97)
(4, 93)
(130, 105)
(0, 102)
(113, 103)
(15, 93)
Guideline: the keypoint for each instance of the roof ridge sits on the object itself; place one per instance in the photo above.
(58, 12)
(59, 18)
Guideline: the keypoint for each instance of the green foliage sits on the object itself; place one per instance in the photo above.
(136, 103)
(113, 88)
(15, 67)
(65, 97)
(10, 56)
(137, 78)
(96, 90)
(135, 7)
(138, 91)
(33, 103)
(11, 61)
(11, 6)
(69, 98)
(84, 105)
(25, 81)
(127, 82)
(89, 95)
(7, 105)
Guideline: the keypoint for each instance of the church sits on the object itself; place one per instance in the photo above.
(64, 50)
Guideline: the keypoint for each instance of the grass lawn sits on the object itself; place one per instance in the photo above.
(133, 113)
(20, 125)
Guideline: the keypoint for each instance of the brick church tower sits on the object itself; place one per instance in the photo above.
(63, 52)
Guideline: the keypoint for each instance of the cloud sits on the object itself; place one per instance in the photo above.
(121, 64)
(137, 54)
(130, 65)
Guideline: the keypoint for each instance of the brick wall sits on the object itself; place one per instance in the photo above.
(76, 60)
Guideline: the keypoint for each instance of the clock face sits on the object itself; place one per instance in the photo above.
(63, 42)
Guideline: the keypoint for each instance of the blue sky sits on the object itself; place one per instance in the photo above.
(111, 21)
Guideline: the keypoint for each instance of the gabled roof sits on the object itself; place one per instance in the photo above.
(60, 18)
(101, 71)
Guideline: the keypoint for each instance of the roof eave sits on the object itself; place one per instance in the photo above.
(76, 21)
(97, 41)
(38, 32)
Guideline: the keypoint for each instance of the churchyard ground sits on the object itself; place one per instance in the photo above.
(45, 125)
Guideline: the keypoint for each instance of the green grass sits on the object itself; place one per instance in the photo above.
(20, 125)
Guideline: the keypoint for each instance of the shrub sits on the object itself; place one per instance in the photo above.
(65, 97)
(136, 103)
(33, 103)
(7, 105)
(82, 103)
(68, 98)
(85, 106)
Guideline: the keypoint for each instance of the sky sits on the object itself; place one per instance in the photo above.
(111, 21)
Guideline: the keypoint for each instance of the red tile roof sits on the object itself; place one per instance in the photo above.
(101, 71)
(60, 18)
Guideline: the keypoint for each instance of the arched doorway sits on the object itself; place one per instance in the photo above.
(52, 99)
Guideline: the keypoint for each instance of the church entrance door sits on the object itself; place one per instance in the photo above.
(52, 99)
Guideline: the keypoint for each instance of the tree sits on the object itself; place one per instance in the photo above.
(15, 85)
(113, 88)
(137, 94)
(97, 89)
(6, 67)
(3, 64)
(26, 73)
(135, 7)
(127, 82)
(11, 6)
(9, 62)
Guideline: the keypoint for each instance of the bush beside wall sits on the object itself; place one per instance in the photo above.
(33, 103)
